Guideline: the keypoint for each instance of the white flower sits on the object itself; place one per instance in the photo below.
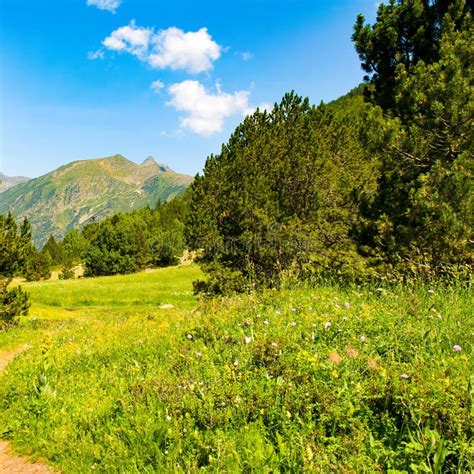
(346, 304)
(362, 338)
(189, 336)
(236, 363)
(404, 376)
(327, 325)
(293, 323)
(293, 309)
(247, 340)
(430, 291)
(274, 344)
(266, 321)
(168, 418)
(277, 312)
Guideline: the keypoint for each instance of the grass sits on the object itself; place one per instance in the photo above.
(258, 383)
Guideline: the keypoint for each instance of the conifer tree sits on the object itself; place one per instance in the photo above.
(14, 250)
(421, 217)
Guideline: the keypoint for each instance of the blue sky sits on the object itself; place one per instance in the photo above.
(76, 79)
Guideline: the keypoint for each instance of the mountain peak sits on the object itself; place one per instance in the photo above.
(149, 161)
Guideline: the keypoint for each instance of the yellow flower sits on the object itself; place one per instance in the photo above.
(335, 374)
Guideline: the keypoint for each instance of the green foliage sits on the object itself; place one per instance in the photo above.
(405, 33)
(112, 383)
(74, 247)
(13, 304)
(282, 194)
(127, 243)
(38, 266)
(420, 219)
(55, 251)
(15, 248)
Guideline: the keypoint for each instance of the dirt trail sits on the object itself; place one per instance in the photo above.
(9, 462)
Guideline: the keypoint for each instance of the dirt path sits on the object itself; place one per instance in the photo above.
(9, 462)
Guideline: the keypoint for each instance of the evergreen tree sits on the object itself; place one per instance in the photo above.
(420, 219)
(14, 250)
(280, 197)
(405, 33)
(38, 266)
(55, 250)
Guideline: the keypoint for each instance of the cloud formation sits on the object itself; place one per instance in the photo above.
(93, 55)
(206, 111)
(108, 5)
(156, 86)
(193, 51)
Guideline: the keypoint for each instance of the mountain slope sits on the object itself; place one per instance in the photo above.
(7, 182)
(83, 191)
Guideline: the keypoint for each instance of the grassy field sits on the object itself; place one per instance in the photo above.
(318, 379)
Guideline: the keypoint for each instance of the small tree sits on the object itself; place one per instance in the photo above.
(38, 266)
(15, 248)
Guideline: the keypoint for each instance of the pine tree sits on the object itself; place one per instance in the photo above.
(420, 219)
(14, 250)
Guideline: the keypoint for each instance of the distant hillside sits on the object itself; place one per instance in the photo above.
(7, 182)
(83, 191)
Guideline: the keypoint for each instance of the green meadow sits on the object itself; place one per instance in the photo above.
(134, 374)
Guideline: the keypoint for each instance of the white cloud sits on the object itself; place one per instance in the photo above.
(193, 51)
(156, 86)
(246, 55)
(132, 39)
(205, 111)
(92, 55)
(109, 5)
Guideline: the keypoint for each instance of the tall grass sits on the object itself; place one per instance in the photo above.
(314, 379)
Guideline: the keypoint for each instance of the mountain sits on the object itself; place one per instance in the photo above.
(88, 190)
(7, 182)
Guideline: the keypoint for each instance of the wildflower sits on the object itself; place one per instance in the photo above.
(344, 318)
(314, 325)
(189, 336)
(439, 316)
(351, 352)
(168, 418)
(293, 309)
(236, 363)
(293, 323)
(266, 321)
(198, 354)
(247, 340)
(338, 306)
(372, 363)
(310, 308)
(404, 376)
(274, 344)
(362, 338)
(335, 374)
(346, 304)
(327, 325)
(457, 348)
(334, 358)
(277, 312)
(430, 291)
